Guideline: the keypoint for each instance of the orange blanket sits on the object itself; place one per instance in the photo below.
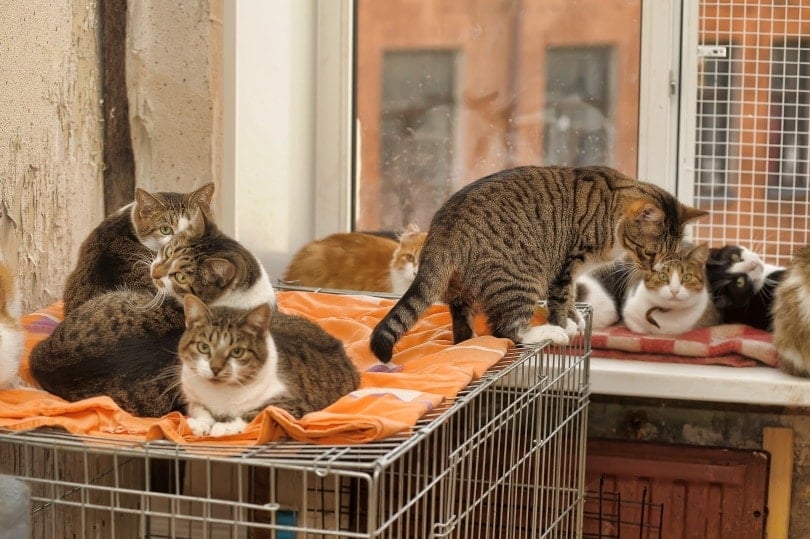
(426, 369)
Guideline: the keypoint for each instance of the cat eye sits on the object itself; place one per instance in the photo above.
(664, 277)
(180, 277)
(237, 352)
(740, 282)
(735, 257)
(203, 348)
(166, 230)
(168, 252)
(686, 277)
(410, 258)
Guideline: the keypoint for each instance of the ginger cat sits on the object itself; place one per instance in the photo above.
(357, 261)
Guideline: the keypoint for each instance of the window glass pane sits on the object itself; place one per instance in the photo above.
(448, 91)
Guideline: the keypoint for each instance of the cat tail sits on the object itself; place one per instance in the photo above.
(427, 288)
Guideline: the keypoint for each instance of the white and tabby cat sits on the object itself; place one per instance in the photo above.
(124, 343)
(11, 333)
(116, 254)
(673, 298)
(236, 362)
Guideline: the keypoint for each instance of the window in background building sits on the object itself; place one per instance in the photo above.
(578, 115)
(714, 116)
(790, 109)
(418, 125)
(449, 91)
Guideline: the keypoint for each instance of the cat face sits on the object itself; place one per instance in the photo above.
(223, 345)
(157, 217)
(679, 281)
(182, 267)
(651, 231)
(735, 275)
(405, 260)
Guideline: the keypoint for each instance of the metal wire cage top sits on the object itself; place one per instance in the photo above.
(505, 458)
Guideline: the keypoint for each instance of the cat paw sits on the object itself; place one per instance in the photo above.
(555, 334)
(199, 426)
(234, 426)
(572, 327)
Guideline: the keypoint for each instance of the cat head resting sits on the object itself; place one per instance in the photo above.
(680, 281)
(157, 217)
(225, 346)
(650, 228)
(210, 265)
(736, 275)
(405, 260)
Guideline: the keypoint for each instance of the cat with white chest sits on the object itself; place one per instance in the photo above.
(123, 343)
(236, 362)
(742, 285)
(672, 298)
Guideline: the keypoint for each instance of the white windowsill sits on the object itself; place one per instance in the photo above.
(715, 383)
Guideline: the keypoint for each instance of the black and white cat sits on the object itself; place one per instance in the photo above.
(742, 285)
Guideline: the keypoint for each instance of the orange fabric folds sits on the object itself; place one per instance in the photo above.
(426, 369)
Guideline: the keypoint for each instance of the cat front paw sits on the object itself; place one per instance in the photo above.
(555, 334)
(200, 426)
(225, 428)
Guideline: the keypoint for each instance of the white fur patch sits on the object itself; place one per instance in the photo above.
(401, 279)
(262, 291)
(233, 400)
(537, 334)
(11, 347)
(604, 308)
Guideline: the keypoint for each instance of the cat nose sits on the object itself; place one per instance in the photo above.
(216, 370)
(156, 272)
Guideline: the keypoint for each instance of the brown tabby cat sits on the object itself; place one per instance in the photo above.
(357, 261)
(11, 334)
(124, 343)
(116, 254)
(236, 362)
(505, 241)
(791, 311)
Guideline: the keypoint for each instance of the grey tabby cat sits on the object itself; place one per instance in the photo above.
(124, 343)
(507, 240)
(791, 330)
(116, 254)
(236, 362)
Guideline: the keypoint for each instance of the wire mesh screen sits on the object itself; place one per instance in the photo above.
(505, 458)
(751, 140)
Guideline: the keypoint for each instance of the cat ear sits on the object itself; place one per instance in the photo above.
(687, 214)
(195, 309)
(203, 195)
(259, 318)
(219, 271)
(146, 202)
(412, 228)
(699, 253)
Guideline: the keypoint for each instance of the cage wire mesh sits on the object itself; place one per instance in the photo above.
(752, 138)
(505, 458)
(608, 516)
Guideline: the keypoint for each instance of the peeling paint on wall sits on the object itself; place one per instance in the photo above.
(50, 173)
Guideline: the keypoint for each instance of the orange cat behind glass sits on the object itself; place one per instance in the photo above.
(357, 261)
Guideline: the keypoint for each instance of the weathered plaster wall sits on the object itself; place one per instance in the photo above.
(174, 78)
(50, 132)
(51, 170)
(716, 425)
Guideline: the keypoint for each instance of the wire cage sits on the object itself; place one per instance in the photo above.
(609, 516)
(504, 458)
